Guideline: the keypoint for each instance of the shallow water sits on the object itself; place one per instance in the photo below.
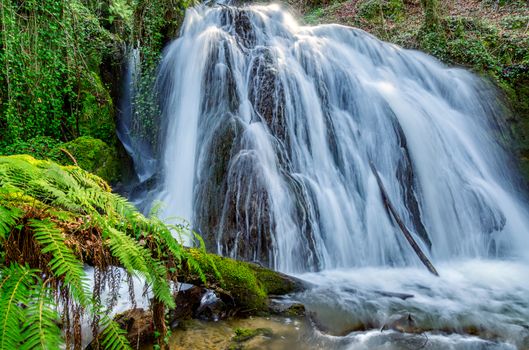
(488, 299)
(287, 333)
(473, 305)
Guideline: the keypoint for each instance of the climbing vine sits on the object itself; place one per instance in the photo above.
(51, 52)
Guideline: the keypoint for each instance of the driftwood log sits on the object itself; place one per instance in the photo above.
(424, 259)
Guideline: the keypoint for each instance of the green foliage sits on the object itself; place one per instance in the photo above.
(65, 215)
(91, 154)
(378, 10)
(8, 219)
(155, 23)
(314, 15)
(33, 326)
(113, 337)
(40, 329)
(63, 264)
(50, 55)
(40, 147)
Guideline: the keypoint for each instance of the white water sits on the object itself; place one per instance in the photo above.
(299, 112)
(127, 130)
(487, 297)
(269, 130)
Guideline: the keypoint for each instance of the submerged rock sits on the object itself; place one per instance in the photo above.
(400, 323)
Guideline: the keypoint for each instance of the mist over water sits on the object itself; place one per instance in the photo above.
(269, 128)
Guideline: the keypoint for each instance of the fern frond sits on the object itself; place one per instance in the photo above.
(8, 219)
(113, 337)
(40, 330)
(129, 253)
(64, 263)
(160, 286)
(138, 260)
(195, 266)
(14, 292)
(164, 234)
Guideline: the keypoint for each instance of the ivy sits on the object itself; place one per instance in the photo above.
(50, 56)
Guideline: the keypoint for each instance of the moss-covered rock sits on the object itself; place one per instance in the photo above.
(91, 154)
(244, 334)
(247, 284)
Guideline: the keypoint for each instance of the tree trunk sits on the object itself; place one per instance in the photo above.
(431, 13)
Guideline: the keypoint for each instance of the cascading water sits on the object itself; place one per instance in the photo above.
(270, 128)
(127, 130)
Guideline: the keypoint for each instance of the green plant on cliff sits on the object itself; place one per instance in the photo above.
(156, 22)
(53, 221)
(51, 53)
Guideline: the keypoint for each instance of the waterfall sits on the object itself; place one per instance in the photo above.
(129, 127)
(270, 126)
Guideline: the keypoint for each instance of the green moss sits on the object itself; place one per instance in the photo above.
(248, 284)
(244, 334)
(236, 277)
(92, 155)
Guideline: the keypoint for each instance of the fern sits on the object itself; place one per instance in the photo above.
(137, 259)
(14, 291)
(40, 329)
(113, 337)
(160, 287)
(129, 253)
(56, 203)
(64, 263)
(8, 219)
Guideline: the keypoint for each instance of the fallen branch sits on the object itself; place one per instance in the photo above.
(69, 155)
(424, 259)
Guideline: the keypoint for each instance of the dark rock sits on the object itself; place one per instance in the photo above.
(286, 308)
(402, 296)
(187, 302)
(138, 324)
(400, 323)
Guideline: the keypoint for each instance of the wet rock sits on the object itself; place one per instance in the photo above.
(187, 302)
(199, 303)
(286, 308)
(138, 323)
(402, 296)
(400, 323)
(245, 335)
(211, 308)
